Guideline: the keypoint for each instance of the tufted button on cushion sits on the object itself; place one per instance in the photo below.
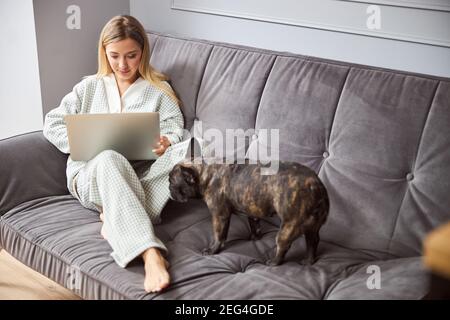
(326, 154)
(409, 176)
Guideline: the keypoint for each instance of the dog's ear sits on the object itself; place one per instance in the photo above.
(188, 175)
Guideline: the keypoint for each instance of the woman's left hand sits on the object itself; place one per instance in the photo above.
(163, 144)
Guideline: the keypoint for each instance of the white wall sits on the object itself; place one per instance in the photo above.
(20, 97)
(394, 54)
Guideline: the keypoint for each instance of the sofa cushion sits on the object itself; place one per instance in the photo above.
(299, 100)
(426, 203)
(229, 97)
(59, 238)
(374, 143)
(184, 62)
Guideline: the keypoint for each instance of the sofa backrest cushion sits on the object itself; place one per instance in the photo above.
(184, 62)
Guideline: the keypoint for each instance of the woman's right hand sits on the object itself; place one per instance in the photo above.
(163, 144)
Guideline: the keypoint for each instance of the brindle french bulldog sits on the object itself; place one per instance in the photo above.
(295, 193)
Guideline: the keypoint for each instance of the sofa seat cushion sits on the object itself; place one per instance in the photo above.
(59, 238)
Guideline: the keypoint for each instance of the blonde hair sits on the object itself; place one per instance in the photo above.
(123, 27)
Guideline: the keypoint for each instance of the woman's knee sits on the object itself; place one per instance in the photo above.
(110, 158)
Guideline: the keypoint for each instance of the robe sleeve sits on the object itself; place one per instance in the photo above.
(55, 129)
(171, 119)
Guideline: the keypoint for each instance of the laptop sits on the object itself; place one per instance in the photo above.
(133, 135)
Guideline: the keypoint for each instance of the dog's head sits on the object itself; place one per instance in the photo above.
(183, 183)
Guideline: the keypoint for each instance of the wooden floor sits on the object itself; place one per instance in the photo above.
(18, 282)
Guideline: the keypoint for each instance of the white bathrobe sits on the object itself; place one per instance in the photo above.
(130, 203)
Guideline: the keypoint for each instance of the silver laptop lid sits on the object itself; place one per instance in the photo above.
(134, 135)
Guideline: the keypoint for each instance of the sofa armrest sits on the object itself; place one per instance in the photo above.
(30, 168)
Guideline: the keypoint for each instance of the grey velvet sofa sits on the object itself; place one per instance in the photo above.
(379, 139)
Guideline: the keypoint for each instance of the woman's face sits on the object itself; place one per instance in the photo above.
(124, 57)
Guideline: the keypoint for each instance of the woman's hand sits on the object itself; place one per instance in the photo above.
(163, 144)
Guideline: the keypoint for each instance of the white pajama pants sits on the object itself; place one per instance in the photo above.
(131, 204)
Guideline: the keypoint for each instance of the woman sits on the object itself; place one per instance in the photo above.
(128, 203)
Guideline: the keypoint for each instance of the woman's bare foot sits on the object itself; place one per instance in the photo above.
(156, 275)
